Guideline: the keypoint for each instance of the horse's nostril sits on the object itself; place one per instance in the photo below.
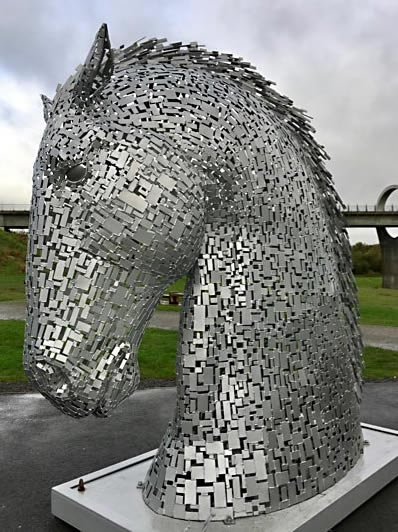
(54, 376)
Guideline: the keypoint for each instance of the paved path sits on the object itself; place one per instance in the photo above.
(40, 447)
(386, 337)
(12, 310)
(15, 310)
(378, 336)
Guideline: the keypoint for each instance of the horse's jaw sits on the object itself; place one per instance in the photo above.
(78, 393)
(87, 371)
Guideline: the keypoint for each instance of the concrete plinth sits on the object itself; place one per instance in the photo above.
(111, 501)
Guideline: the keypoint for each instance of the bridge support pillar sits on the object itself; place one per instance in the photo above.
(388, 245)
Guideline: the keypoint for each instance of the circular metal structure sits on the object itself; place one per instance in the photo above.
(382, 199)
(381, 205)
(388, 244)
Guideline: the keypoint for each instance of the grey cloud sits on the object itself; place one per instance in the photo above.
(46, 40)
(337, 59)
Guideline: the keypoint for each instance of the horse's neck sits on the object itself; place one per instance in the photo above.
(243, 283)
(223, 291)
(244, 278)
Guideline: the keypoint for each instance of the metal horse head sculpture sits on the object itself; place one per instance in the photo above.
(164, 160)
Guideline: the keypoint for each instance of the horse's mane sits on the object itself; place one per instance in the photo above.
(153, 51)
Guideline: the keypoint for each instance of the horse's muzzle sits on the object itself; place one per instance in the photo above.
(54, 383)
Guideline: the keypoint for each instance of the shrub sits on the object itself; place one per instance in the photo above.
(366, 259)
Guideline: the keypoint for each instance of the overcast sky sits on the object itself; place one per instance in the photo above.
(336, 59)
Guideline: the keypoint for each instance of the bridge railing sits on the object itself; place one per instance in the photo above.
(369, 208)
(12, 207)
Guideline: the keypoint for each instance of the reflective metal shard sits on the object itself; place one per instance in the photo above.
(160, 161)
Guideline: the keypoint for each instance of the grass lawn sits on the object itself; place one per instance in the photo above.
(178, 286)
(12, 286)
(380, 363)
(11, 346)
(378, 306)
(157, 354)
(168, 308)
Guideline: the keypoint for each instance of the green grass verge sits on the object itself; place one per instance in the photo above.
(378, 306)
(12, 287)
(157, 354)
(11, 346)
(12, 252)
(380, 363)
(169, 308)
(178, 286)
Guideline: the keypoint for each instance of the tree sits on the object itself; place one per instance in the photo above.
(366, 258)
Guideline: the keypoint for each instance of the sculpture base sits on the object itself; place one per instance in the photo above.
(112, 502)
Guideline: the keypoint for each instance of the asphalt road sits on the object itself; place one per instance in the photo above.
(40, 448)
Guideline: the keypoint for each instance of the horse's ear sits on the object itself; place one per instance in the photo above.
(99, 64)
(47, 106)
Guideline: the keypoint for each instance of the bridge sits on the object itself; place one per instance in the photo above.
(370, 216)
(16, 216)
(380, 216)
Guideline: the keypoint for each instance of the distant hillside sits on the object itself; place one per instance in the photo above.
(12, 252)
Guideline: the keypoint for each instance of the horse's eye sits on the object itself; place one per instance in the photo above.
(77, 173)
